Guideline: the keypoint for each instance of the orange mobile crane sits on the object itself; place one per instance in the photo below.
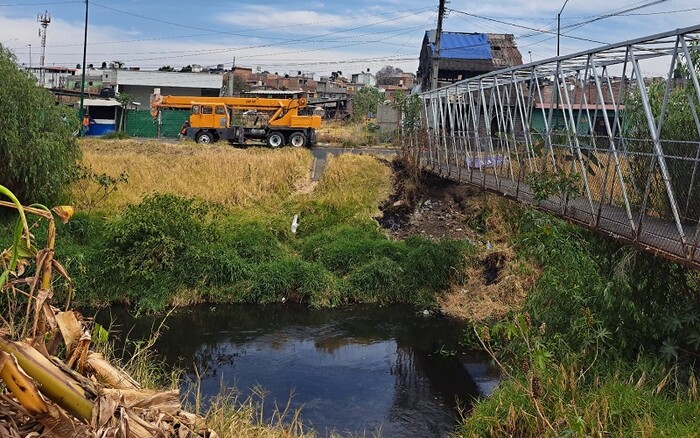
(277, 121)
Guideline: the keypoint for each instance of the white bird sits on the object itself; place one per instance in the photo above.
(295, 223)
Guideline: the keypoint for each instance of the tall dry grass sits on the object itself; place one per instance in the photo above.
(222, 174)
(348, 135)
(355, 180)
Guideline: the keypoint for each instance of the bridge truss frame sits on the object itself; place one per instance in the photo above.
(592, 137)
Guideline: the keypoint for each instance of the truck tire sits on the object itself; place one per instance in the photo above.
(204, 138)
(275, 139)
(297, 139)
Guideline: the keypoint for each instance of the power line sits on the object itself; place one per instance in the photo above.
(180, 53)
(662, 12)
(38, 4)
(171, 23)
(524, 27)
(227, 50)
(571, 27)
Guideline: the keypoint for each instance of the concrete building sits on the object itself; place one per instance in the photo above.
(54, 77)
(140, 84)
(328, 89)
(364, 79)
(276, 81)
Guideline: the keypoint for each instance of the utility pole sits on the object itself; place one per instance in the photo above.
(229, 87)
(30, 56)
(436, 55)
(559, 24)
(44, 19)
(82, 79)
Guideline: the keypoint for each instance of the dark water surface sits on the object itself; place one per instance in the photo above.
(360, 369)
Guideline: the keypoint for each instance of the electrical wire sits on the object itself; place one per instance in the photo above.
(527, 27)
(38, 4)
(263, 37)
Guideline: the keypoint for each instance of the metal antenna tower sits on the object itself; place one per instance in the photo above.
(44, 19)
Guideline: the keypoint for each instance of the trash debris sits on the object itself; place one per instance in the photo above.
(295, 223)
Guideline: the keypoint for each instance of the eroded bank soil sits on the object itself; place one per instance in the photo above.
(424, 205)
(429, 206)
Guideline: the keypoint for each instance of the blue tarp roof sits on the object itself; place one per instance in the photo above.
(463, 46)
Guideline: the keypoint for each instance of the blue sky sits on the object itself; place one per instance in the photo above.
(314, 36)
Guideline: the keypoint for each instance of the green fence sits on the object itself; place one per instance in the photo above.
(142, 124)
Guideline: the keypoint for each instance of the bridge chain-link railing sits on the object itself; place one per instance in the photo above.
(608, 138)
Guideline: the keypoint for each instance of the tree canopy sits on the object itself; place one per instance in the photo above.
(365, 102)
(38, 151)
(385, 74)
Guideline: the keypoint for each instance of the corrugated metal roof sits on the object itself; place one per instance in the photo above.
(101, 102)
(456, 45)
(272, 92)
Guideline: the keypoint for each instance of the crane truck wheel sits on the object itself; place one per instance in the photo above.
(275, 139)
(297, 139)
(204, 138)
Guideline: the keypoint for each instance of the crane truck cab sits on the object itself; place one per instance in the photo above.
(276, 121)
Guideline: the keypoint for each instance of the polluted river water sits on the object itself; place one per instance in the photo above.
(364, 370)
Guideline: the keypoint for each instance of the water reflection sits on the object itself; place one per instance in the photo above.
(353, 370)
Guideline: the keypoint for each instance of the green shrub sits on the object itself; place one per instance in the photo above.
(344, 248)
(594, 294)
(292, 279)
(250, 240)
(157, 236)
(434, 265)
(169, 246)
(380, 281)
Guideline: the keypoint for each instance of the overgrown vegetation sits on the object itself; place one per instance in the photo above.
(607, 343)
(38, 151)
(167, 249)
(350, 134)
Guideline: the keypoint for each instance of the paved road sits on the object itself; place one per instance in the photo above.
(321, 153)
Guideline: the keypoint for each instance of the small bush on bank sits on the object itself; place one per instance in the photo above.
(295, 280)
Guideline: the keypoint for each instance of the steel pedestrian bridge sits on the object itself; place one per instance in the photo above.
(607, 138)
